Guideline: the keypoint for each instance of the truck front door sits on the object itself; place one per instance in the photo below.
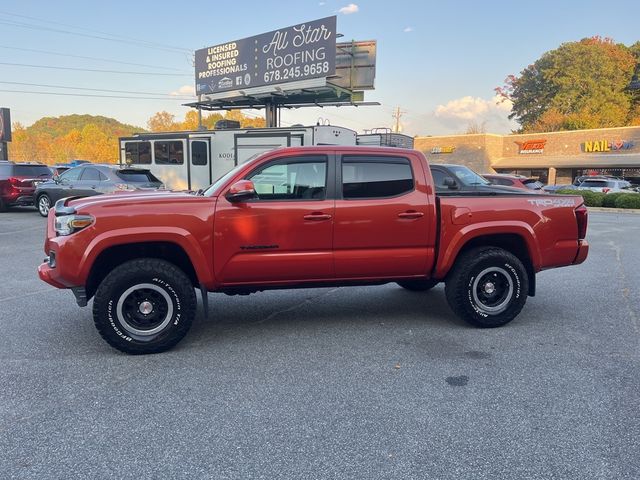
(382, 219)
(285, 233)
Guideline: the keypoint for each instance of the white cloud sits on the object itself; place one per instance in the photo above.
(457, 114)
(185, 90)
(349, 9)
(472, 108)
(408, 29)
(322, 3)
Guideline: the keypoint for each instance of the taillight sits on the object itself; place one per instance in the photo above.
(582, 217)
(13, 183)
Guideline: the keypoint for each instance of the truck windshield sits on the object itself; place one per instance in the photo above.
(468, 176)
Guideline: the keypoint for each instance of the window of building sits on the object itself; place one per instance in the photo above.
(137, 153)
(375, 177)
(168, 153)
(302, 178)
(199, 153)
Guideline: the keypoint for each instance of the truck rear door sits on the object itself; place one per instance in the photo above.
(384, 225)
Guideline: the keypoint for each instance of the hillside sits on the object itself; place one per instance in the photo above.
(60, 139)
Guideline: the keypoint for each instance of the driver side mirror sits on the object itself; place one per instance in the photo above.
(240, 191)
(450, 183)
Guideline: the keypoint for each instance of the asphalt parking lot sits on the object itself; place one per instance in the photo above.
(363, 382)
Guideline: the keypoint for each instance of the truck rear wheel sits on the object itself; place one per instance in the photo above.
(144, 306)
(418, 285)
(487, 287)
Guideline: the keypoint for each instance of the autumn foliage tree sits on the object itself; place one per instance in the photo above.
(166, 122)
(578, 85)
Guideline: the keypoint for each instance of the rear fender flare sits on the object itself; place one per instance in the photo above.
(467, 233)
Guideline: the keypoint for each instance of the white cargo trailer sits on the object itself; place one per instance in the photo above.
(194, 160)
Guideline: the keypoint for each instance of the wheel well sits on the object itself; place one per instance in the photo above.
(114, 256)
(512, 243)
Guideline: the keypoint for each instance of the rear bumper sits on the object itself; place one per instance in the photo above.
(20, 200)
(583, 251)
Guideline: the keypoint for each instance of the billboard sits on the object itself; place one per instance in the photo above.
(5, 125)
(299, 52)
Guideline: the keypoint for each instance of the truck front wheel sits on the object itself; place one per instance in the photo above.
(144, 306)
(487, 287)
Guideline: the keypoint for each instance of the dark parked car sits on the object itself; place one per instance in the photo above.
(91, 179)
(18, 182)
(451, 179)
(518, 181)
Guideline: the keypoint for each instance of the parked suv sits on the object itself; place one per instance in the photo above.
(605, 185)
(92, 179)
(18, 182)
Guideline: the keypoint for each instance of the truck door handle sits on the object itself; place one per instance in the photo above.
(317, 216)
(411, 214)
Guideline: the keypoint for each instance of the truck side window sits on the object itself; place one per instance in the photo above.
(375, 177)
(294, 179)
(168, 153)
(137, 153)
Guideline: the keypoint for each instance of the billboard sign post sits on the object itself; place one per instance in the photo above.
(300, 52)
(5, 132)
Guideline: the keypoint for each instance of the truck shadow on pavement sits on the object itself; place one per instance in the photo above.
(328, 307)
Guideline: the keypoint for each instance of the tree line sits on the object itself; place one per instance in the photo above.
(54, 140)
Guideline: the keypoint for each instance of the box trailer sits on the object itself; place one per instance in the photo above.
(192, 160)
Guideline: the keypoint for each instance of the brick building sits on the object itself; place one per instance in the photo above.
(554, 158)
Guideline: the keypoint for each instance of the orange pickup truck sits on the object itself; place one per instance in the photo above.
(304, 217)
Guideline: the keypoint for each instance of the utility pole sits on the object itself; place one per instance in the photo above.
(397, 115)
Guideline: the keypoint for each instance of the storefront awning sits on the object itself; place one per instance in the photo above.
(611, 160)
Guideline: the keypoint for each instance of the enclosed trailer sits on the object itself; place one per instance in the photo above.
(195, 159)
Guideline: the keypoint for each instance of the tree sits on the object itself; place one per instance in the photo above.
(474, 127)
(578, 85)
(162, 122)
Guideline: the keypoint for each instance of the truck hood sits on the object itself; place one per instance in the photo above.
(131, 200)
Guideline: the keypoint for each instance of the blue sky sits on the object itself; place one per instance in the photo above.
(437, 61)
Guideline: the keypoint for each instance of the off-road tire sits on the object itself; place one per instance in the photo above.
(487, 271)
(170, 292)
(41, 198)
(418, 285)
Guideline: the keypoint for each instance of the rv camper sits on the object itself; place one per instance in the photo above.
(194, 160)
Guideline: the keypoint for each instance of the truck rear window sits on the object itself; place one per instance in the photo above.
(375, 177)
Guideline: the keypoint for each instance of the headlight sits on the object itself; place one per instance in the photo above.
(67, 224)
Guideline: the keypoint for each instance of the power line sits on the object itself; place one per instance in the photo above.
(177, 97)
(89, 95)
(47, 21)
(99, 37)
(55, 67)
(85, 57)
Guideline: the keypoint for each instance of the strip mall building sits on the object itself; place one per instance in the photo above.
(554, 158)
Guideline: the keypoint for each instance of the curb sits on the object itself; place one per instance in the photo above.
(632, 211)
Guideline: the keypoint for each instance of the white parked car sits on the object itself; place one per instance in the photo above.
(605, 185)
